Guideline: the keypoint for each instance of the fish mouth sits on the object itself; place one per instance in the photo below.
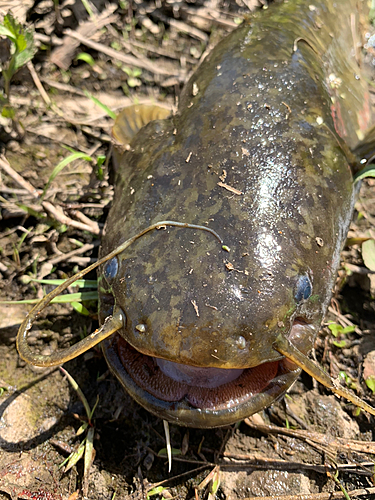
(194, 396)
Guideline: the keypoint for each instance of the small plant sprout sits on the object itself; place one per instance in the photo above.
(87, 58)
(76, 155)
(155, 491)
(213, 481)
(338, 332)
(133, 74)
(86, 448)
(22, 50)
(348, 381)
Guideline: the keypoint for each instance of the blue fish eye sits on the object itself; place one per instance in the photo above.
(111, 269)
(303, 288)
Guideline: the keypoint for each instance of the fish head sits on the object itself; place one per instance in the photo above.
(200, 322)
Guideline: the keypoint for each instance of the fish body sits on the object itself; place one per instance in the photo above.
(260, 152)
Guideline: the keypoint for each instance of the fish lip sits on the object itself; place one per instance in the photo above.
(182, 413)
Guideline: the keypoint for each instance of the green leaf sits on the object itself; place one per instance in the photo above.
(80, 308)
(11, 24)
(8, 112)
(368, 254)
(370, 382)
(31, 211)
(155, 491)
(87, 58)
(23, 58)
(100, 160)
(134, 82)
(99, 163)
(6, 32)
(337, 329)
(175, 451)
(23, 40)
(345, 377)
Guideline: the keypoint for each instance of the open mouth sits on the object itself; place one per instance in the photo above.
(204, 397)
(205, 388)
(200, 397)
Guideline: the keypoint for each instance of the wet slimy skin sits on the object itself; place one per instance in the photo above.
(259, 151)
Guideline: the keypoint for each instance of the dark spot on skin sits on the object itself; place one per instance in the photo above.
(303, 289)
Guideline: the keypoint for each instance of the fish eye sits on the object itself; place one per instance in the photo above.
(303, 288)
(111, 269)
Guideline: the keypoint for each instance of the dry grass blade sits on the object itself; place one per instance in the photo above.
(168, 444)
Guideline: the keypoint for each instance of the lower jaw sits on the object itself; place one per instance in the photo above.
(195, 409)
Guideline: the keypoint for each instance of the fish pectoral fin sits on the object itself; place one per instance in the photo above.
(132, 118)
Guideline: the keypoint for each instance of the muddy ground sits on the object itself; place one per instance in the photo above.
(308, 445)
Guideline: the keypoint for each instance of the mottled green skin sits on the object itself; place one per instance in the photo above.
(263, 114)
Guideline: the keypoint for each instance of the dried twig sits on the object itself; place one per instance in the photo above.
(38, 83)
(315, 437)
(181, 26)
(144, 63)
(62, 56)
(58, 214)
(4, 164)
(78, 251)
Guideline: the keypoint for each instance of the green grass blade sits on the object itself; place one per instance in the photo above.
(94, 407)
(105, 108)
(61, 299)
(80, 308)
(69, 159)
(80, 283)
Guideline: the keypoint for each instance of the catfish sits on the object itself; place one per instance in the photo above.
(222, 245)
